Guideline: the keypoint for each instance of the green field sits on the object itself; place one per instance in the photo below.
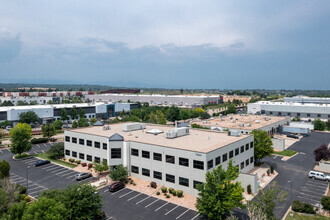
(46, 156)
(304, 217)
(287, 153)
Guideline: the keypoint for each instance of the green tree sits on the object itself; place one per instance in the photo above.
(122, 113)
(319, 125)
(58, 124)
(28, 117)
(20, 102)
(184, 114)
(205, 115)
(262, 144)
(48, 130)
(20, 138)
(2, 134)
(74, 124)
(173, 114)
(120, 173)
(73, 114)
(82, 122)
(4, 169)
(134, 118)
(160, 117)
(263, 206)
(33, 102)
(93, 120)
(152, 118)
(328, 124)
(15, 211)
(231, 109)
(56, 151)
(220, 194)
(44, 209)
(81, 113)
(64, 114)
(101, 167)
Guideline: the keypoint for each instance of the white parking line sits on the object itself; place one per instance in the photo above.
(71, 176)
(35, 152)
(53, 168)
(195, 216)
(318, 197)
(314, 190)
(105, 190)
(318, 183)
(43, 151)
(316, 201)
(63, 171)
(15, 178)
(38, 145)
(33, 186)
(161, 206)
(68, 173)
(322, 187)
(182, 214)
(125, 194)
(1, 151)
(47, 166)
(20, 181)
(134, 197)
(34, 190)
(118, 191)
(151, 203)
(171, 210)
(143, 199)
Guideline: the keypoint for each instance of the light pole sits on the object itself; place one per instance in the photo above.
(94, 204)
(27, 179)
(291, 190)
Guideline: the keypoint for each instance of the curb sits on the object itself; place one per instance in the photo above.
(286, 214)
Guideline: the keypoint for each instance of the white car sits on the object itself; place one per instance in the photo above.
(318, 175)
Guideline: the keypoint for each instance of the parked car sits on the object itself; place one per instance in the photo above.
(8, 127)
(293, 136)
(318, 175)
(81, 176)
(41, 162)
(113, 187)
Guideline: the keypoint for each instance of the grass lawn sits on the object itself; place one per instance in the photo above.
(305, 217)
(46, 156)
(23, 155)
(287, 153)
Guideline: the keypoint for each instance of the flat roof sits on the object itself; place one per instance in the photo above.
(198, 140)
(256, 121)
(157, 95)
(292, 104)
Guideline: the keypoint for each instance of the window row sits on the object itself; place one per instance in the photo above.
(82, 157)
(89, 143)
(115, 154)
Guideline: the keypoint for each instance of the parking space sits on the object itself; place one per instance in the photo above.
(313, 191)
(33, 189)
(130, 204)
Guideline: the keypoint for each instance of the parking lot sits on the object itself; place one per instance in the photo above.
(130, 204)
(312, 191)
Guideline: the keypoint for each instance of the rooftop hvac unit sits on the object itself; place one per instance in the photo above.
(222, 119)
(241, 125)
(177, 132)
(248, 124)
(257, 121)
(106, 128)
(233, 120)
(133, 126)
(231, 117)
(234, 133)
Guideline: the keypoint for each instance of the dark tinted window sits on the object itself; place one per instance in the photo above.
(74, 154)
(145, 172)
(246, 146)
(145, 154)
(236, 151)
(135, 169)
(247, 162)
(224, 157)
(170, 178)
(184, 181)
(115, 153)
(158, 175)
(89, 143)
(97, 159)
(251, 159)
(81, 156)
(67, 152)
(89, 157)
(209, 164)
(157, 156)
(170, 159)
(184, 162)
(134, 152)
(67, 138)
(242, 149)
(195, 183)
(97, 144)
(242, 165)
(231, 154)
(217, 160)
(81, 141)
(105, 146)
(74, 140)
(199, 164)
(251, 144)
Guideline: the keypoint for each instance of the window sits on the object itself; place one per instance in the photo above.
(199, 164)
(158, 175)
(74, 140)
(89, 157)
(217, 160)
(195, 183)
(89, 143)
(251, 159)
(170, 159)
(236, 151)
(184, 162)
(246, 146)
(67, 138)
(289, 114)
(231, 154)
(157, 156)
(242, 149)
(209, 164)
(224, 157)
(105, 146)
(270, 113)
(135, 169)
(183, 181)
(319, 115)
(115, 153)
(145, 154)
(145, 172)
(81, 141)
(298, 114)
(97, 144)
(251, 145)
(170, 178)
(134, 152)
(280, 113)
(242, 165)
(74, 154)
(247, 162)
(81, 156)
(309, 115)
(67, 152)
(97, 159)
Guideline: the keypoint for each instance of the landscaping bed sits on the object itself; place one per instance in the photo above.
(298, 216)
(285, 153)
(46, 156)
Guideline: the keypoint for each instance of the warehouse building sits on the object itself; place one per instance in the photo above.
(29, 100)
(174, 157)
(305, 99)
(165, 100)
(246, 123)
(302, 110)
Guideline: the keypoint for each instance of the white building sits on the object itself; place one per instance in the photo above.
(174, 157)
(290, 109)
(29, 100)
(305, 99)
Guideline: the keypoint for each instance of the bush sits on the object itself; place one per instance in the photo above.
(268, 172)
(174, 193)
(83, 164)
(134, 184)
(27, 199)
(171, 190)
(56, 151)
(39, 140)
(71, 160)
(126, 181)
(78, 161)
(90, 165)
(179, 193)
(158, 193)
(249, 191)
(153, 185)
(271, 169)
(168, 196)
(21, 189)
(131, 181)
(325, 201)
(120, 173)
(302, 207)
(164, 189)
(23, 155)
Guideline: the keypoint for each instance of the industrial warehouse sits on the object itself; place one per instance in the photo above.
(170, 156)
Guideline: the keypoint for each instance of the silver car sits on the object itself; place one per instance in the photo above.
(81, 176)
(318, 175)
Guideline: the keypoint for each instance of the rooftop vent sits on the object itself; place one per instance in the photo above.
(248, 124)
(241, 125)
(257, 121)
(133, 127)
(177, 132)
(155, 131)
(106, 128)
(222, 119)
(233, 120)
(234, 133)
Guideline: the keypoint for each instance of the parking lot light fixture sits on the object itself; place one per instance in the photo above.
(291, 190)
(27, 179)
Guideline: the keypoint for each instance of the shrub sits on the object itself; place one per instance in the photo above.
(21, 188)
(83, 164)
(153, 185)
(71, 160)
(164, 189)
(78, 161)
(90, 165)
(120, 173)
(271, 169)
(39, 140)
(268, 172)
(168, 196)
(131, 182)
(56, 151)
(179, 193)
(302, 207)
(27, 199)
(325, 201)
(171, 190)
(174, 193)
(134, 184)
(249, 191)
(126, 181)
(23, 155)
(158, 193)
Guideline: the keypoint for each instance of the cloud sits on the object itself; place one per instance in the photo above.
(10, 45)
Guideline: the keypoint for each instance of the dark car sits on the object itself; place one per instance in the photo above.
(81, 176)
(113, 187)
(293, 136)
(41, 162)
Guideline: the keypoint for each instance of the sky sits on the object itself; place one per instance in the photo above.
(208, 44)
